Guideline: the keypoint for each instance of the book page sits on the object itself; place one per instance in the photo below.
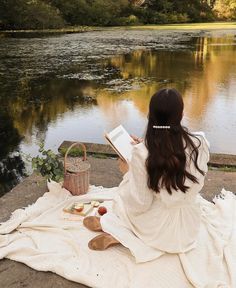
(120, 141)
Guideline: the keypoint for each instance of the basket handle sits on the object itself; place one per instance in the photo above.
(68, 150)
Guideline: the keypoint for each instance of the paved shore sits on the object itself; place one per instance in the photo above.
(104, 172)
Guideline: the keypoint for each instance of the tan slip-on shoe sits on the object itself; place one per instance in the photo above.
(102, 242)
(92, 223)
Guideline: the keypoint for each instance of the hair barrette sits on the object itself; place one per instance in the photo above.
(161, 127)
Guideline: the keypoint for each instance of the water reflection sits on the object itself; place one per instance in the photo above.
(12, 167)
(52, 99)
(45, 101)
(206, 76)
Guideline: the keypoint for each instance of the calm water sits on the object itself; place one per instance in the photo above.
(45, 81)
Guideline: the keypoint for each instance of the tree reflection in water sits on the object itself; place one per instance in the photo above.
(34, 104)
(12, 167)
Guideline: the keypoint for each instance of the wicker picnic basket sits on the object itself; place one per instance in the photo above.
(76, 172)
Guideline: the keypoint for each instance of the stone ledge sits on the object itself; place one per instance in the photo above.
(216, 160)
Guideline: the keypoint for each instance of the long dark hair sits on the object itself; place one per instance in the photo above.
(166, 161)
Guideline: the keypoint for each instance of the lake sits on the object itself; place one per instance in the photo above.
(76, 86)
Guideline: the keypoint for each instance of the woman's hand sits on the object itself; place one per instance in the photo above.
(136, 139)
(123, 166)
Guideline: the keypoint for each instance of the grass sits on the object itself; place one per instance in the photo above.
(77, 152)
(223, 168)
(187, 26)
(184, 26)
(74, 152)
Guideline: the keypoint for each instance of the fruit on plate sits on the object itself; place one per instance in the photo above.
(95, 203)
(102, 210)
(79, 207)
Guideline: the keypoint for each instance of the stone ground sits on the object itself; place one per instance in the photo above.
(104, 172)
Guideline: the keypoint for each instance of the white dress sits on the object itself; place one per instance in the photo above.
(151, 224)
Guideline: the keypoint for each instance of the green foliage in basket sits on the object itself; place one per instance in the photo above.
(49, 165)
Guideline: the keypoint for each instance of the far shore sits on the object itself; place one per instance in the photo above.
(76, 29)
(81, 29)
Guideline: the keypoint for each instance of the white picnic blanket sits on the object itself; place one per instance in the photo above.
(45, 238)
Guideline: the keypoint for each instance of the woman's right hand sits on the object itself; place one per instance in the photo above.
(136, 140)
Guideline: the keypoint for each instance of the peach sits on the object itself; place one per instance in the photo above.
(102, 210)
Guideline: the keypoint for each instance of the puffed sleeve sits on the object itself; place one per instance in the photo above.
(204, 153)
(139, 197)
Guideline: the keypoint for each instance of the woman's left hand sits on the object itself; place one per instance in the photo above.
(123, 166)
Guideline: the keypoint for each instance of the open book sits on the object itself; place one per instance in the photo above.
(120, 141)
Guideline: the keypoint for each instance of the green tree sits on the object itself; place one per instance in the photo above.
(225, 9)
(91, 12)
(104, 12)
(74, 11)
(40, 14)
(23, 14)
(194, 10)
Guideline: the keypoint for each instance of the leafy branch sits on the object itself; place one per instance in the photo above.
(49, 165)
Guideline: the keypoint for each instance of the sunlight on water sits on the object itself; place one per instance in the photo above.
(48, 86)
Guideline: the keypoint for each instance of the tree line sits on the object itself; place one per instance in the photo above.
(43, 14)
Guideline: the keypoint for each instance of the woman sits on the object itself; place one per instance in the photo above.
(158, 208)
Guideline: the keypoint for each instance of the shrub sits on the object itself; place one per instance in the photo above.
(49, 165)
(183, 18)
(23, 14)
(177, 18)
(126, 21)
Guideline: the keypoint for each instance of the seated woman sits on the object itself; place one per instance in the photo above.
(158, 208)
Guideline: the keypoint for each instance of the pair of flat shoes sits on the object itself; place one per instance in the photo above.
(102, 241)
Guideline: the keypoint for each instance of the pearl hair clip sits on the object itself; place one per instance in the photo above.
(161, 127)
